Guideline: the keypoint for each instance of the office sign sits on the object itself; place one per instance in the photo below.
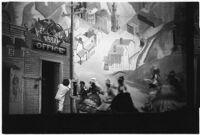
(39, 45)
(50, 36)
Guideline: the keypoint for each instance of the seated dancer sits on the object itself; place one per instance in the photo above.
(105, 106)
(93, 100)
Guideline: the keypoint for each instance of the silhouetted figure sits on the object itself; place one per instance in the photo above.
(83, 90)
(174, 81)
(123, 101)
(168, 98)
(121, 86)
(156, 81)
(154, 88)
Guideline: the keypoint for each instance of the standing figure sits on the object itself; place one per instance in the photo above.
(109, 90)
(123, 101)
(83, 90)
(155, 79)
(94, 88)
(60, 96)
(154, 87)
(173, 79)
(121, 86)
(175, 82)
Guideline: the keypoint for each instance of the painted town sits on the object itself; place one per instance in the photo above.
(95, 57)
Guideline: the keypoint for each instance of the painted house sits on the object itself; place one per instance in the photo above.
(149, 18)
(112, 62)
(91, 37)
(85, 46)
(131, 49)
(82, 56)
(144, 19)
(136, 26)
(120, 54)
(90, 47)
(91, 16)
(115, 58)
(103, 21)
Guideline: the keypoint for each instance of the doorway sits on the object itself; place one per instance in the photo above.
(6, 89)
(197, 82)
(50, 81)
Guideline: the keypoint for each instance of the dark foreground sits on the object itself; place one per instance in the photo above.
(183, 121)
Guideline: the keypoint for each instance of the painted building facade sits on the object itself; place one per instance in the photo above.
(33, 66)
(90, 16)
(136, 26)
(114, 18)
(85, 46)
(103, 21)
(120, 55)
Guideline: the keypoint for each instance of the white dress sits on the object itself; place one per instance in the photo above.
(60, 96)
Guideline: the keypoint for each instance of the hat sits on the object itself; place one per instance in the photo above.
(82, 82)
(108, 81)
(93, 80)
(155, 67)
(121, 78)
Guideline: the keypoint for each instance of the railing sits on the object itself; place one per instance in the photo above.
(13, 30)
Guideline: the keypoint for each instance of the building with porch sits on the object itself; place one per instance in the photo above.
(85, 46)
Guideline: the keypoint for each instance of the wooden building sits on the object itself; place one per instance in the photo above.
(32, 69)
(85, 46)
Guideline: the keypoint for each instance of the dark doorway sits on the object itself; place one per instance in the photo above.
(50, 81)
(198, 83)
(6, 88)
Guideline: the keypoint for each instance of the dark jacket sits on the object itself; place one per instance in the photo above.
(123, 103)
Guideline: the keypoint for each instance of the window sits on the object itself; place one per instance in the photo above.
(11, 51)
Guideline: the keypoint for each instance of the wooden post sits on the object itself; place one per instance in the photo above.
(72, 41)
